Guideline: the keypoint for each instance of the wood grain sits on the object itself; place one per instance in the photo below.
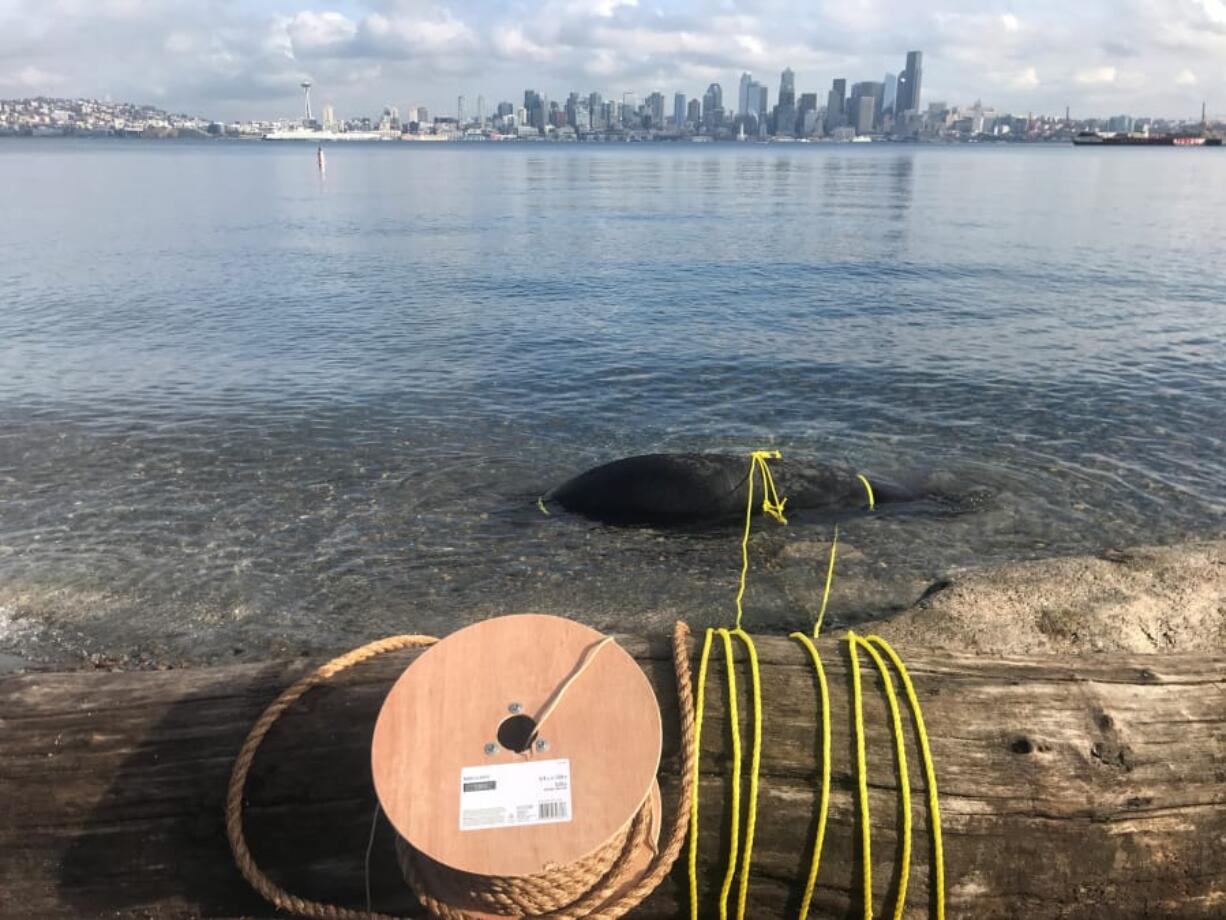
(1071, 788)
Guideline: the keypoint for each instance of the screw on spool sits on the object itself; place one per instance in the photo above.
(603, 756)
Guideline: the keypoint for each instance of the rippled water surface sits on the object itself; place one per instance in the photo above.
(247, 411)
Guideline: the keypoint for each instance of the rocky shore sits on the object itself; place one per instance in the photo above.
(1140, 600)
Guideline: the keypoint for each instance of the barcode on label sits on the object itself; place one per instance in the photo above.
(552, 811)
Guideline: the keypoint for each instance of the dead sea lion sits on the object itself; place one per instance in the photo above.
(664, 489)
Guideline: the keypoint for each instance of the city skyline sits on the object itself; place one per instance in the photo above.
(236, 59)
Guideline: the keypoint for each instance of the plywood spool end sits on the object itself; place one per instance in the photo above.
(444, 758)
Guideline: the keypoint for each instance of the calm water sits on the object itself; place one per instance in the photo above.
(244, 411)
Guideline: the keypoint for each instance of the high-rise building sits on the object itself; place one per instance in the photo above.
(836, 106)
(480, 110)
(329, 116)
(742, 99)
(909, 83)
(655, 110)
(693, 113)
(787, 87)
(864, 124)
(459, 110)
(678, 110)
(862, 114)
(785, 111)
(753, 98)
(534, 103)
(889, 94)
(630, 110)
(713, 107)
(595, 107)
(505, 109)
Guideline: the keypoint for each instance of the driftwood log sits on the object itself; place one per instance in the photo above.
(1090, 787)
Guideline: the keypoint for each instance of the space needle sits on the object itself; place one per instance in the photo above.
(306, 93)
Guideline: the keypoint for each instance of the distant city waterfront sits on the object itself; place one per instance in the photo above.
(892, 109)
(247, 409)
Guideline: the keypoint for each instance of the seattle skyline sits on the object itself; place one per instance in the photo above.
(242, 58)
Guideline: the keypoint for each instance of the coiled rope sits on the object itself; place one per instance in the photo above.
(563, 893)
(874, 645)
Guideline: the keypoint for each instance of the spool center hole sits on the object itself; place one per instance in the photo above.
(515, 733)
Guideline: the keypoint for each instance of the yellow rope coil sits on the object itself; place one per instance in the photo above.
(819, 837)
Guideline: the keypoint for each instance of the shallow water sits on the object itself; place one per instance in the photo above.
(248, 411)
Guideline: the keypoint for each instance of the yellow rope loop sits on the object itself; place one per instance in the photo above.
(735, 824)
(934, 805)
(699, 706)
(868, 489)
(772, 504)
(904, 777)
(755, 763)
(819, 837)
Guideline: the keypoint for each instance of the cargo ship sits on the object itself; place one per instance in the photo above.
(1110, 139)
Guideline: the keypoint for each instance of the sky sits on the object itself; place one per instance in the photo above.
(245, 58)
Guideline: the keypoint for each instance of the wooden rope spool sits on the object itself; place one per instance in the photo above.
(499, 819)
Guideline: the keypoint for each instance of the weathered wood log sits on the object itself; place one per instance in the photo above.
(1093, 787)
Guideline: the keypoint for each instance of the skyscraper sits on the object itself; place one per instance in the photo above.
(889, 94)
(909, 82)
(836, 105)
(785, 111)
(595, 107)
(679, 110)
(630, 109)
(742, 99)
(459, 110)
(787, 87)
(655, 110)
(806, 112)
(535, 104)
(863, 118)
(713, 107)
(753, 99)
(480, 110)
(693, 113)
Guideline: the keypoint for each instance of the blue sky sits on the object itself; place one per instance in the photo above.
(244, 58)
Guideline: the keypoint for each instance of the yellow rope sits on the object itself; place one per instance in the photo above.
(821, 614)
(771, 504)
(854, 643)
(698, 710)
(824, 801)
(755, 763)
(934, 805)
(868, 487)
(734, 829)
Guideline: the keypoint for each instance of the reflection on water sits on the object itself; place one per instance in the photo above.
(246, 410)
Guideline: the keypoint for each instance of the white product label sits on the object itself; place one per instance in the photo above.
(515, 794)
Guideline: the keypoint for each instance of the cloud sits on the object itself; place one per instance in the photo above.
(32, 78)
(311, 32)
(229, 58)
(1095, 75)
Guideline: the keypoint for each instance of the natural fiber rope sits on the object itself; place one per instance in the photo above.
(580, 888)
